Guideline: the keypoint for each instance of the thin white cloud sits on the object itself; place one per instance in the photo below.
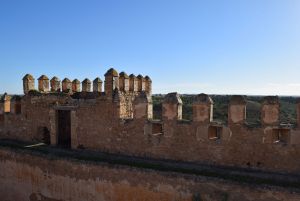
(280, 89)
(292, 89)
(181, 87)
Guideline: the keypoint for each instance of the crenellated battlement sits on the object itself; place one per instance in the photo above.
(203, 112)
(113, 81)
(117, 116)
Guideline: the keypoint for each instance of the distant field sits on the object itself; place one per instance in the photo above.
(287, 115)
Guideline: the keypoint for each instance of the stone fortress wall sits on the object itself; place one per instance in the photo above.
(29, 177)
(119, 120)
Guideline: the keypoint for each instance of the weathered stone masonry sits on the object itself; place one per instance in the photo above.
(118, 119)
(29, 177)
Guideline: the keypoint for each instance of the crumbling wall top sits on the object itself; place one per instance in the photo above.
(86, 80)
(140, 76)
(66, 80)
(203, 98)
(55, 79)
(97, 80)
(123, 74)
(143, 98)
(148, 78)
(132, 76)
(76, 81)
(173, 98)
(271, 100)
(238, 100)
(112, 72)
(43, 77)
(28, 77)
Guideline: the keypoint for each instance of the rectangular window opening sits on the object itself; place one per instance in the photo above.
(214, 132)
(281, 135)
(157, 129)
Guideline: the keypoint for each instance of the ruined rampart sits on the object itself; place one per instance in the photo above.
(26, 176)
(119, 119)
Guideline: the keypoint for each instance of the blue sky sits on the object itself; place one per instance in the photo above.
(209, 46)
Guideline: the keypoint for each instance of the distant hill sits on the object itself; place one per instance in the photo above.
(287, 115)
